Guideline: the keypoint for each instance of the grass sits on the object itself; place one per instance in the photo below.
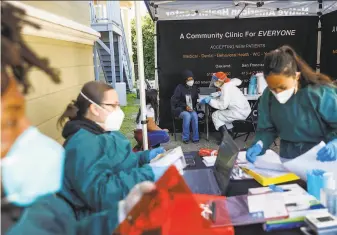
(130, 112)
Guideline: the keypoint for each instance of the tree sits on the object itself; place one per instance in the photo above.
(148, 46)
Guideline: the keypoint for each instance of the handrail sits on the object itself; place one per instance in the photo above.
(126, 52)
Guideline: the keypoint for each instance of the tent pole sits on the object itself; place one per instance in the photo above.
(140, 59)
(156, 57)
(319, 36)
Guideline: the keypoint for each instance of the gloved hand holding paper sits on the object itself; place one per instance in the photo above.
(308, 161)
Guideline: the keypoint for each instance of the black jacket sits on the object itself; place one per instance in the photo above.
(178, 100)
(72, 127)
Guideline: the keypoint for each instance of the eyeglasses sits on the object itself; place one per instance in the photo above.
(112, 105)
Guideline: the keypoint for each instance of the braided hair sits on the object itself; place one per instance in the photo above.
(15, 54)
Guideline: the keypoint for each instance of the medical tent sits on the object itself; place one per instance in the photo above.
(233, 37)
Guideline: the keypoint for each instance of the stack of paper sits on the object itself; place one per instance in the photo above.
(171, 157)
(268, 169)
(262, 204)
(209, 161)
(288, 189)
(298, 207)
(307, 161)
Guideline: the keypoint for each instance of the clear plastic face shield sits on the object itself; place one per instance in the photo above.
(214, 80)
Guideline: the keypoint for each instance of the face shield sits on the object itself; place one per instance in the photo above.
(214, 80)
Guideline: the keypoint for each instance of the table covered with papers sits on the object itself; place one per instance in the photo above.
(236, 188)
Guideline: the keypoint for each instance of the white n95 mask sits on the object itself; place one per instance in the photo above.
(113, 121)
(284, 96)
(190, 83)
(33, 167)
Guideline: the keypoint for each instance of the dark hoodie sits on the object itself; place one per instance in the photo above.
(72, 127)
(178, 100)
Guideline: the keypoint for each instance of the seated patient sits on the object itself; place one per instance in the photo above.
(186, 91)
(100, 166)
(156, 135)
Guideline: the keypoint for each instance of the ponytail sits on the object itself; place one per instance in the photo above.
(78, 108)
(70, 113)
(285, 61)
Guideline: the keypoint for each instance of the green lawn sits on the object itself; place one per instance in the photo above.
(129, 123)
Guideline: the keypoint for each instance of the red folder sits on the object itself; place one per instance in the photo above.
(170, 210)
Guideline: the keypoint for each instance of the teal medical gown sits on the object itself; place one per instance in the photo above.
(308, 117)
(51, 215)
(100, 170)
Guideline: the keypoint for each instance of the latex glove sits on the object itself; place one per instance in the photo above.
(275, 188)
(328, 152)
(158, 171)
(154, 152)
(253, 152)
(206, 100)
(134, 196)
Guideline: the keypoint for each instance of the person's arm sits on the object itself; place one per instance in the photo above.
(94, 171)
(325, 99)
(266, 132)
(143, 157)
(177, 102)
(151, 125)
(222, 102)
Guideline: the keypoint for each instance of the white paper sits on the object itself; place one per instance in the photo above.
(263, 202)
(289, 189)
(271, 161)
(172, 157)
(241, 159)
(209, 159)
(307, 161)
(189, 102)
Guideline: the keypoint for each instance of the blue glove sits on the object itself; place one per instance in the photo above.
(158, 171)
(205, 100)
(253, 152)
(275, 188)
(328, 152)
(154, 152)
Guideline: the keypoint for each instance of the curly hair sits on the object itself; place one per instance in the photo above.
(15, 54)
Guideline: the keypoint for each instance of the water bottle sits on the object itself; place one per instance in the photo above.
(252, 85)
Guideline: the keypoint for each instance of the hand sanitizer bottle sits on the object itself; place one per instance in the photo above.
(329, 186)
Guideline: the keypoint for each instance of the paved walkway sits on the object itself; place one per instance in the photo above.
(212, 143)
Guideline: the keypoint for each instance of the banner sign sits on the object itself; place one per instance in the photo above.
(234, 46)
(329, 44)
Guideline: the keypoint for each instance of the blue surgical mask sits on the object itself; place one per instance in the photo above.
(33, 167)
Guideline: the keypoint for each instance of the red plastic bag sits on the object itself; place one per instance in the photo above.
(203, 152)
(170, 210)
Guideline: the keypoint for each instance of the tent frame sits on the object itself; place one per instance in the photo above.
(154, 6)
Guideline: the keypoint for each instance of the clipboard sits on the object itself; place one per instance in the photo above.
(171, 209)
(266, 181)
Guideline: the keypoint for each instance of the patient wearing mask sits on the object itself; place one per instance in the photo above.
(183, 106)
(32, 163)
(100, 166)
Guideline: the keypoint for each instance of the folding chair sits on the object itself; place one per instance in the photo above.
(246, 126)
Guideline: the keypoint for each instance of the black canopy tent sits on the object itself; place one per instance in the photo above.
(173, 14)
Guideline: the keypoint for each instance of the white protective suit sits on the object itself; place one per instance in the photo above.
(231, 104)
